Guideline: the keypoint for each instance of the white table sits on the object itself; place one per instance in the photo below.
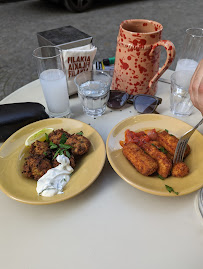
(111, 224)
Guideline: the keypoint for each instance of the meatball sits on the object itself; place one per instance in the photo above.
(36, 166)
(55, 136)
(41, 148)
(180, 170)
(79, 144)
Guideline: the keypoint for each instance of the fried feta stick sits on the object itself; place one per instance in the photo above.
(143, 163)
(169, 142)
(161, 148)
(164, 164)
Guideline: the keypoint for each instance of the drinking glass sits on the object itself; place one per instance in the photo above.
(52, 77)
(93, 91)
(181, 104)
(192, 51)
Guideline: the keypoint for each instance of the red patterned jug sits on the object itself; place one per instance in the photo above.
(136, 69)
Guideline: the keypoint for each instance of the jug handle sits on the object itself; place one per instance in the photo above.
(170, 50)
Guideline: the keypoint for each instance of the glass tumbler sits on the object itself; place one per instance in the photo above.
(52, 75)
(93, 91)
(192, 50)
(180, 103)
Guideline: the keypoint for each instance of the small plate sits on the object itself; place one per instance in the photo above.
(153, 184)
(13, 151)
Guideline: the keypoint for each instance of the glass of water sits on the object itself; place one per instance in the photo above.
(51, 72)
(93, 91)
(192, 50)
(180, 103)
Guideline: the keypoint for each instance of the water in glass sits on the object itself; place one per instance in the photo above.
(180, 103)
(186, 64)
(94, 96)
(54, 87)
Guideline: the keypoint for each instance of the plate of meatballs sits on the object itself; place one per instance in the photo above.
(141, 148)
(42, 154)
(22, 166)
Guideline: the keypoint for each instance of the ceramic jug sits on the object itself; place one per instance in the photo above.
(136, 69)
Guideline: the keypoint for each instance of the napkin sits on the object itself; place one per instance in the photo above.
(77, 60)
(15, 116)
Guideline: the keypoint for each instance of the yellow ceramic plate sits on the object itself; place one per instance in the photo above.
(154, 185)
(22, 189)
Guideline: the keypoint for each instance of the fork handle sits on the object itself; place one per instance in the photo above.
(198, 124)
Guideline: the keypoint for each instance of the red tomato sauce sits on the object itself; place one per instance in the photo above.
(139, 138)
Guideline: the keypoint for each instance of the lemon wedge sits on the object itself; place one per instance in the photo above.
(39, 135)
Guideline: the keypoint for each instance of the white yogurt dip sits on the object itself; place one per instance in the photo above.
(55, 179)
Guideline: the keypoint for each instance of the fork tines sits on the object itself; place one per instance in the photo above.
(182, 144)
(180, 150)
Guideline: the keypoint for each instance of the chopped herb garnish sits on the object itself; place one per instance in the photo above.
(64, 146)
(80, 133)
(61, 149)
(45, 154)
(63, 139)
(46, 137)
(166, 130)
(56, 154)
(162, 178)
(170, 189)
(67, 154)
(162, 149)
(52, 145)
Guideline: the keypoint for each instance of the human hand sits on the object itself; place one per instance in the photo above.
(196, 87)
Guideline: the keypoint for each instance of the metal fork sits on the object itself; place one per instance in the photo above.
(182, 144)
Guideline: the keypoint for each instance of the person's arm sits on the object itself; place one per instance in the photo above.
(196, 87)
